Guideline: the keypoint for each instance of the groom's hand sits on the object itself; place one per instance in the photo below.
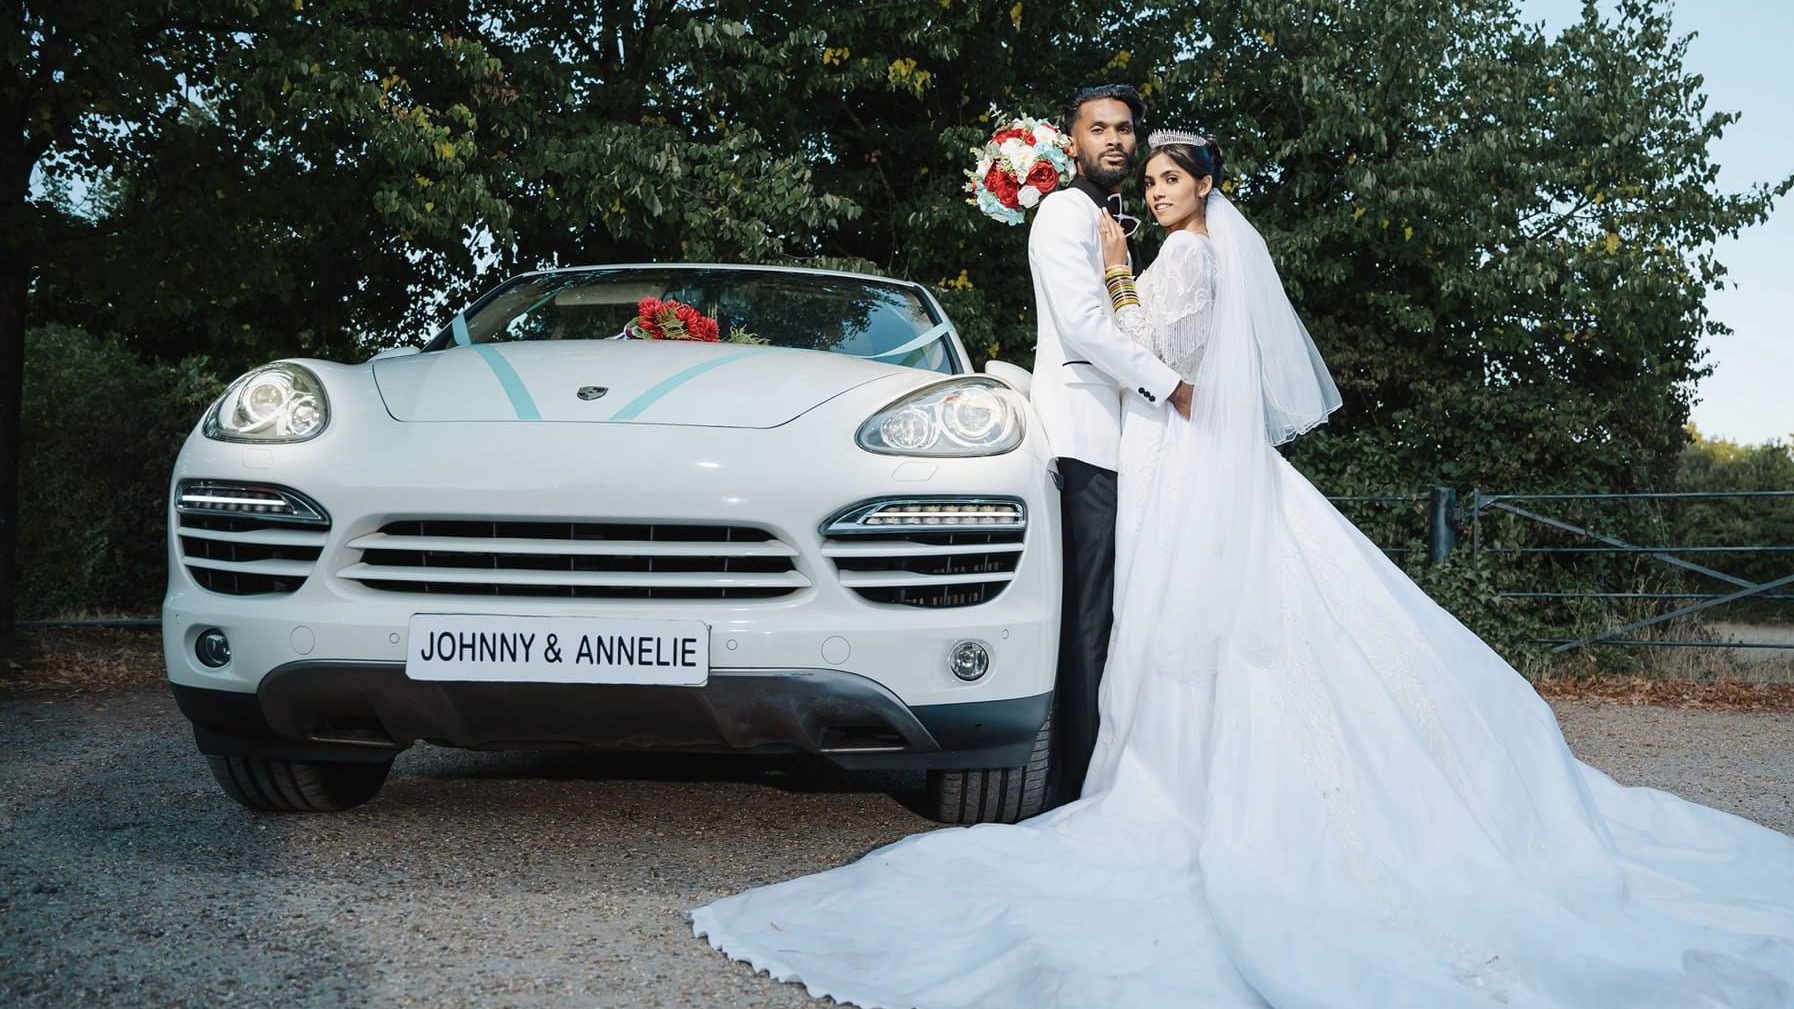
(1180, 398)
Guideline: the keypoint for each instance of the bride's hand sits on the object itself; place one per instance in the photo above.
(1113, 239)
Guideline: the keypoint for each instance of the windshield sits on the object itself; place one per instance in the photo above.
(879, 320)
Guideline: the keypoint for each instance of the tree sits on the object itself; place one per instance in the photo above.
(93, 82)
(1500, 240)
(1710, 465)
(330, 174)
(188, 196)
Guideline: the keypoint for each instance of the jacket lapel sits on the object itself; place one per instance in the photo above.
(1112, 204)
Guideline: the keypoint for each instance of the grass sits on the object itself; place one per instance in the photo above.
(1713, 663)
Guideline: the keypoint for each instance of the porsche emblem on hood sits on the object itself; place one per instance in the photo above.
(591, 392)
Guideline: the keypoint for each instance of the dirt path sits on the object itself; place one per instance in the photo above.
(126, 877)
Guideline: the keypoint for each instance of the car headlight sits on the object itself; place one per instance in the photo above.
(965, 417)
(276, 402)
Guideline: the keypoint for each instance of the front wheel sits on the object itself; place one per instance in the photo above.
(296, 786)
(994, 795)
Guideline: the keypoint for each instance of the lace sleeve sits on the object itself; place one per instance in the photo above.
(1177, 298)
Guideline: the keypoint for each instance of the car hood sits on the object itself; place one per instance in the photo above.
(620, 381)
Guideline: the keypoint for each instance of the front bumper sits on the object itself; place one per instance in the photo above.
(341, 711)
(368, 470)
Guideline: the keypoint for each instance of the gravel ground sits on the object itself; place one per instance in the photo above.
(126, 876)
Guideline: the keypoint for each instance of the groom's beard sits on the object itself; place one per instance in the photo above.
(1104, 175)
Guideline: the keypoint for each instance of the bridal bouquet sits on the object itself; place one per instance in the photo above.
(1021, 162)
(669, 320)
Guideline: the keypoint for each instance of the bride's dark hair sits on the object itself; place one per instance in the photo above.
(1198, 160)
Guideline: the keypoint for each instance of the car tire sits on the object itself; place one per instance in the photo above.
(994, 795)
(295, 786)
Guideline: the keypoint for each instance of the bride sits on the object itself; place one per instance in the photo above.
(1313, 787)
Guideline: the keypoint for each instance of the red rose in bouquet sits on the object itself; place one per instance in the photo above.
(1043, 176)
(1003, 186)
(993, 178)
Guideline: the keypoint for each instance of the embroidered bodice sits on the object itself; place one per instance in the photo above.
(1177, 300)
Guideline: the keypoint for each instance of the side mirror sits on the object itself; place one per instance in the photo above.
(1020, 378)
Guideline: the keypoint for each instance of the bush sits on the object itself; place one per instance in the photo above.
(100, 432)
(1710, 465)
(1717, 465)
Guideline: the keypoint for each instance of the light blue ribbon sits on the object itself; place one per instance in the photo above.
(634, 407)
(521, 403)
(919, 342)
(525, 407)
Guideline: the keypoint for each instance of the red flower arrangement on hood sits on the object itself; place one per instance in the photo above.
(672, 320)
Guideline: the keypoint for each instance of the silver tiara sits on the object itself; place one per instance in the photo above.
(1159, 138)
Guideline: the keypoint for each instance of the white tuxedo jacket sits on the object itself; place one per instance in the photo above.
(1083, 363)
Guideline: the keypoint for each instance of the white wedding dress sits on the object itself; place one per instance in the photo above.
(1313, 787)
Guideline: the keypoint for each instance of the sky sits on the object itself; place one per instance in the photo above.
(1742, 48)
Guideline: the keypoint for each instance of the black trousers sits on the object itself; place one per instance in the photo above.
(1087, 515)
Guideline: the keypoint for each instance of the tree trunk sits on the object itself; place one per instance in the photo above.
(12, 388)
(16, 251)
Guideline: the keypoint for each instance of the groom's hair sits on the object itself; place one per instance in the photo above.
(1119, 92)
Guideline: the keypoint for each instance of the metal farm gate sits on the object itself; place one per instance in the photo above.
(1445, 521)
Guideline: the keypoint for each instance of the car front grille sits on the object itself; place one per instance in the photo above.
(247, 539)
(581, 560)
(931, 552)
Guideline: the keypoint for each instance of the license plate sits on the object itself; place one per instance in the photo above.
(491, 648)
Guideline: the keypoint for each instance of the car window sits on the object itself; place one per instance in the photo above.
(881, 321)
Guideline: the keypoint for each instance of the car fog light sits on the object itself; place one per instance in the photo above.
(213, 648)
(970, 660)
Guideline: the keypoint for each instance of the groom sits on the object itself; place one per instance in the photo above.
(1083, 366)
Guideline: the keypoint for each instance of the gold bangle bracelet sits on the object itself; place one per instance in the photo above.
(1121, 292)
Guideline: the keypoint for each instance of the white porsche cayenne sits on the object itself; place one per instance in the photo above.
(536, 532)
